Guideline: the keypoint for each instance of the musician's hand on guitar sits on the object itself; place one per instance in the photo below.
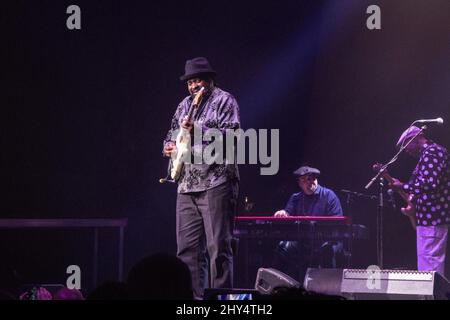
(187, 124)
(281, 213)
(396, 184)
(168, 148)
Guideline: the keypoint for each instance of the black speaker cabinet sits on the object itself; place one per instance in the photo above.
(268, 279)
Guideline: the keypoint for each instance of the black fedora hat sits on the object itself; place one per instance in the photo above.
(195, 67)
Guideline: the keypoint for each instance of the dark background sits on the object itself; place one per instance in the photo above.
(84, 112)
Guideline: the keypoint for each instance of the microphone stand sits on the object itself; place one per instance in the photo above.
(350, 196)
(380, 208)
(350, 239)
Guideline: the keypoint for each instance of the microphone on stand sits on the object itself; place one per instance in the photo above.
(437, 120)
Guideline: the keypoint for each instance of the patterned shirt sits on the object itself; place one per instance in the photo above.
(218, 110)
(323, 202)
(430, 185)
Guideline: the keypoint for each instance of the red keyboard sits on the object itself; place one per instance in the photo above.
(337, 219)
(298, 227)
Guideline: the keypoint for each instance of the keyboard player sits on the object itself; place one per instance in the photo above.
(294, 257)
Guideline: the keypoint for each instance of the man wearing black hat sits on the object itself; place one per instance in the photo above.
(293, 257)
(430, 186)
(207, 192)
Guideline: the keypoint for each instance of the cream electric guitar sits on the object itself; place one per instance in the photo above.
(183, 139)
(409, 209)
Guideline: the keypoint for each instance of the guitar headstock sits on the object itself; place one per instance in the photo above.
(198, 96)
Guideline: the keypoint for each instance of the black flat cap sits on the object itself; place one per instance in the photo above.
(306, 170)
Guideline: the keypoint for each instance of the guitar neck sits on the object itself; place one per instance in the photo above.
(195, 103)
(190, 113)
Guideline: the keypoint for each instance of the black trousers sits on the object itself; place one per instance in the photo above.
(204, 226)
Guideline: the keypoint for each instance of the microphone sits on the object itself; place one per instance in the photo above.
(437, 120)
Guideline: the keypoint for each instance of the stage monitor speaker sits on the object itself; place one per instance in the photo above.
(324, 281)
(268, 279)
(394, 284)
(376, 284)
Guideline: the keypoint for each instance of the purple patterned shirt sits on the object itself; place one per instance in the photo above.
(218, 110)
(430, 185)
